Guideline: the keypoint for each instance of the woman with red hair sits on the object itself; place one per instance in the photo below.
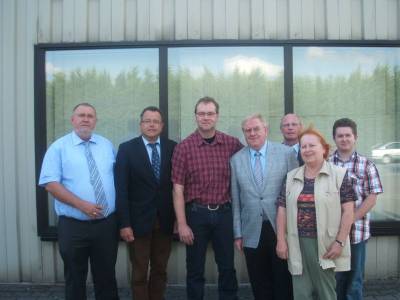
(315, 213)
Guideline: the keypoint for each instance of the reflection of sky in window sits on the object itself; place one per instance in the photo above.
(113, 61)
(331, 61)
(268, 60)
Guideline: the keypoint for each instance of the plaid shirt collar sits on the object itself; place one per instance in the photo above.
(200, 140)
(353, 157)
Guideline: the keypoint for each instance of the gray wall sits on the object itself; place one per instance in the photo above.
(23, 23)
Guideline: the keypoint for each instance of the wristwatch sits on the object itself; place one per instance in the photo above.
(340, 243)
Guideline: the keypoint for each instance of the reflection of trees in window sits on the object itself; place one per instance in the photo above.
(239, 94)
(371, 99)
(117, 100)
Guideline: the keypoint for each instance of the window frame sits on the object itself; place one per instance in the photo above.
(45, 231)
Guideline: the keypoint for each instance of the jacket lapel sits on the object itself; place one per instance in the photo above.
(143, 154)
(269, 164)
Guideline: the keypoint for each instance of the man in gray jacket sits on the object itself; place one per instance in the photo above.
(258, 171)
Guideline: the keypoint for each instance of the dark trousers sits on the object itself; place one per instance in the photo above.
(81, 241)
(215, 226)
(268, 274)
(154, 250)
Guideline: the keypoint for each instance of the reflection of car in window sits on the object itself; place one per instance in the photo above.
(386, 153)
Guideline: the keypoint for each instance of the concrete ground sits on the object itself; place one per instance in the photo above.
(374, 290)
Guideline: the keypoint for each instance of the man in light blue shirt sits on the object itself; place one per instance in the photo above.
(78, 171)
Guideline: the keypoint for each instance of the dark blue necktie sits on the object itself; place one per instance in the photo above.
(155, 160)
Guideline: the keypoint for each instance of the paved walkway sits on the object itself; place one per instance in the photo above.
(374, 290)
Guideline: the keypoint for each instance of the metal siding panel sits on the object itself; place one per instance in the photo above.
(117, 20)
(387, 257)
(9, 126)
(307, 19)
(344, 19)
(371, 259)
(181, 20)
(44, 19)
(381, 20)
(143, 17)
(29, 233)
(295, 19)
(68, 21)
(155, 20)
(319, 19)
(356, 20)
(369, 19)
(257, 19)
(56, 21)
(219, 19)
(282, 30)
(24, 234)
(194, 24)
(81, 21)
(48, 261)
(168, 27)
(232, 20)
(392, 20)
(131, 19)
(332, 16)
(3, 72)
(105, 20)
(206, 21)
(270, 13)
(93, 20)
(123, 265)
(244, 20)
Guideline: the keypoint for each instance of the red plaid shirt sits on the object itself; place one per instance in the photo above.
(366, 181)
(203, 169)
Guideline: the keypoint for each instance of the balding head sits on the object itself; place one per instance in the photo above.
(291, 127)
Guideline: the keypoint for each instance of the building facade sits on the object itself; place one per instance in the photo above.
(322, 59)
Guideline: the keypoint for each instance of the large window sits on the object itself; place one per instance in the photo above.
(244, 80)
(319, 82)
(361, 83)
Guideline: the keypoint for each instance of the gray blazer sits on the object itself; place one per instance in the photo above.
(250, 202)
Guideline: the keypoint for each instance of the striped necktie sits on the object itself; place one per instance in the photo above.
(95, 181)
(155, 160)
(258, 173)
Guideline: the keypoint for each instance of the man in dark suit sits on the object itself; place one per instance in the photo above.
(291, 128)
(144, 204)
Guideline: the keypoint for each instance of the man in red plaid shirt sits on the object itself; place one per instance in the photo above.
(201, 177)
(367, 186)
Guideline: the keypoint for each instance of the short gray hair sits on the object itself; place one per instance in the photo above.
(255, 116)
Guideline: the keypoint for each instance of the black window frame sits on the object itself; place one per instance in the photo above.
(45, 231)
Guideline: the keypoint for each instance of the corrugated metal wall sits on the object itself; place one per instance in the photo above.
(23, 23)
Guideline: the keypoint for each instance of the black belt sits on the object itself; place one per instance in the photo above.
(209, 206)
(92, 221)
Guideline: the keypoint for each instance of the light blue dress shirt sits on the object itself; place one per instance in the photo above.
(263, 157)
(149, 150)
(65, 162)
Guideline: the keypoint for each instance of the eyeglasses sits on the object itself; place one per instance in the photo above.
(148, 122)
(286, 125)
(202, 114)
(250, 130)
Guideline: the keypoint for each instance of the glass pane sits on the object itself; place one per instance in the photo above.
(118, 82)
(361, 83)
(243, 80)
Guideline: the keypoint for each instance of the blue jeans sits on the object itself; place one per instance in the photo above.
(349, 285)
(215, 226)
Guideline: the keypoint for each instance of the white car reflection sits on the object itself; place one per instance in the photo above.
(386, 153)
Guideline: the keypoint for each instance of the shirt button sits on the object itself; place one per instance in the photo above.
(261, 198)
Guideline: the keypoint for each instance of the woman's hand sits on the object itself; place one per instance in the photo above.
(334, 251)
(282, 249)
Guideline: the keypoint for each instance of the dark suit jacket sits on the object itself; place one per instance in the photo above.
(140, 198)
